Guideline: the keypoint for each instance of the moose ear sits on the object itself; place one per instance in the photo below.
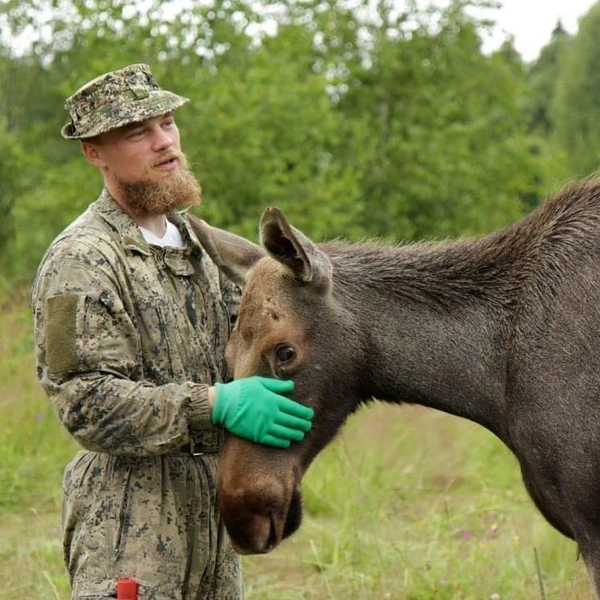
(233, 254)
(292, 248)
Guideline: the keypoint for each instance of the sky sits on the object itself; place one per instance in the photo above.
(532, 21)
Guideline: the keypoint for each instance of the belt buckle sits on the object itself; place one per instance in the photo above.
(193, 449)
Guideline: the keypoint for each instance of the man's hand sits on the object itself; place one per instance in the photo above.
(253, 408)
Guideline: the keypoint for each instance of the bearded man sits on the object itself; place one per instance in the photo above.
(131, 322)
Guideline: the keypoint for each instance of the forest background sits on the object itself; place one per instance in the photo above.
(356, 118)
(356, 122)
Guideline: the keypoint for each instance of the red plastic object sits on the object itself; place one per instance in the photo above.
(127, 589)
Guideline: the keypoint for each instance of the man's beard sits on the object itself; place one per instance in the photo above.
(177, 191)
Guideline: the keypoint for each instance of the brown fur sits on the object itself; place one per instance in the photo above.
(503, 330)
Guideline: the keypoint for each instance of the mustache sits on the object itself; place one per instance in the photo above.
(171, 155)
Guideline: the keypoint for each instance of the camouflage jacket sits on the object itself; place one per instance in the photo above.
(129, 336)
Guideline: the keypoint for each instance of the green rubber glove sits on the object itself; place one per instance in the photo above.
(253, 408)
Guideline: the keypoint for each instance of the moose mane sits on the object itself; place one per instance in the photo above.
(498, 267)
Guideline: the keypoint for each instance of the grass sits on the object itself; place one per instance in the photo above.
(407, 504)
(414, 504)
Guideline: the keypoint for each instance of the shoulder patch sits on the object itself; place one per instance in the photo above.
(61, 332)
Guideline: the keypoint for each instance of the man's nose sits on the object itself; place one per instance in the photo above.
(161, 139)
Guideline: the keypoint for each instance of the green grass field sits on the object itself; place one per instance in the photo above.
(407, 504)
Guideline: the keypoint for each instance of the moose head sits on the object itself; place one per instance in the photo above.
(288, 323)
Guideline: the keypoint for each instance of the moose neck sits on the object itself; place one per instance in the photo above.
(436, 320)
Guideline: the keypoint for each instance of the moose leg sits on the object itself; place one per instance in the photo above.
(590, 552)
(568, 517)
(594, 576)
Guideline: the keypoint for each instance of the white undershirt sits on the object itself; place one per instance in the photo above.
(172, 236)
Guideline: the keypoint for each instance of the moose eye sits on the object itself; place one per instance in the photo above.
(285, 354)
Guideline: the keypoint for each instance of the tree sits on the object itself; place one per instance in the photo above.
(357, 123)
(270, 135)
(12, 183)
(542, 80)
(449, 150)
(576, 109)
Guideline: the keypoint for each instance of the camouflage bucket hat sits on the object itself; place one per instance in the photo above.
(114, 99)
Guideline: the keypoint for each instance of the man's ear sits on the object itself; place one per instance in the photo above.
(92, 154)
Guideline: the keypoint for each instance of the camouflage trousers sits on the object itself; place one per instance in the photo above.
(153, 519)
